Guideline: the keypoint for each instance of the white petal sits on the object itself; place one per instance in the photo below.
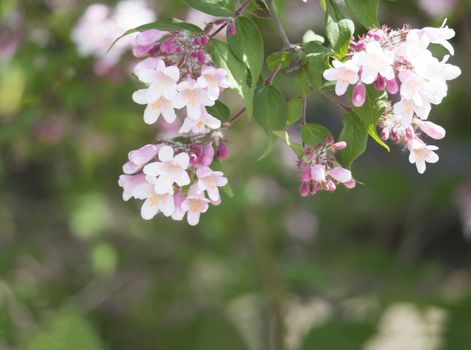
(173, 72)
(194, 111)
(166, 153)
(169, 114)
(151, 114)
(340, 88)
(141, 97)
(182, 179)
(163, 185)
(153, 169)
(182, 159)
(193, 218)
(168, 206)
(148, 211)
(213, 194)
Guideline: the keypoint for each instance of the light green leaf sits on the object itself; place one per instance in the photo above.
(311, 36)
(301, 81)
(339, 29)
(317, 62)
(295, 109)
(247, 46)
(104, 258)
(170, 24)
(270, 109)
(282, 58)
(219, 8)
(296, 147)
(355, 134)
(364, 11)
(314, 134)
(220, 111)
(374, 135)
(322, 4)
(223, 57)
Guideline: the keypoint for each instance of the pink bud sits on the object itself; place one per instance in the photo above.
(306, 174)
(232, 29)
(359, 46)
(431, 129)
(330, 186)
(141, 50)
(340, 174)
(201, 57)
(385, 134)
(339, 146)
(208, 156)
(194, 53)
(204, 40)
(318, 172)
(144, 154)
(376, 34)
(392, 86)
(380, 83)
(179, 49)
(197, 40)
(193, 159)
(315, 187)
(410, 133)
(222, 152)
(359, 95)
(350, 184)
(304, 189)
(131, 168)
(329, 140)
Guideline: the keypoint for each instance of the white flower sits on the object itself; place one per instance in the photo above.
(209, 181)
(156, 106)
(194, 204)
(213, 79)
(168, 170)
(405, 109)
(376, 60)
(344, 73)
(420, 153)
(155, 203)
(199, 125)
(162, 80)
(440, 36)
(134, 186)
(193, 97)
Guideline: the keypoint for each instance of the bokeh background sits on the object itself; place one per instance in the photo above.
(385, 266)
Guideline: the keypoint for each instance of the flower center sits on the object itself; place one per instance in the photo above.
(195, 205)
(191, 96)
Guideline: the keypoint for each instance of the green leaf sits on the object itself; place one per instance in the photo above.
(364, 11)
(220, 111)
(270, 109)
(314, 134)
(223, 57)
(311, 36)
(282, 58)
(301, 81)
(317, 62)
(339, 29)
(296, 147)
(355, 134)
(170, 24)
(295, 109)
(322, 4)
(267, 150)
(247, 46)
(219, 8)
(374, 106)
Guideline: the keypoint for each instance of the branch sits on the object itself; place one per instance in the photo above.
(286, 43)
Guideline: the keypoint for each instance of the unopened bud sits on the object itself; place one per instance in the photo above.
(350, 184)
(392, 86)
(204, 40)
(359, 95)
(197, 40)
(339, 146)
(201, 57)
(208, 156)
(380, 83)
(306, 174)
(304, 189)
(232, 29)
(223, 151)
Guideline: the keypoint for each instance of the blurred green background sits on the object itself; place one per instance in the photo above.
(385, 266)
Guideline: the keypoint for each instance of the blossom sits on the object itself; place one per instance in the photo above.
(162, 80)
(213, 79)
(198, 126)
(440, 36)
(344, 73)
(194, 204)
(156, 203)
(168, 170)
(146, 40)
(209, 181)
(193, 97)
(375, 60)
(140, 157)
(420, 153)
(178, 199)
(134, 186)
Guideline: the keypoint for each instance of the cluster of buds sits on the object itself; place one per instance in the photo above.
(320, 170)
(174, 177)
(399, 62)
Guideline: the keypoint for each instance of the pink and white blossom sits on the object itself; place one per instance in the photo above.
(194, 204)
(193, 97)
(375, 60)
(344, 74)
(210, 181)
(420, 154)
(214, 80)
(200, 125)
(156, 203)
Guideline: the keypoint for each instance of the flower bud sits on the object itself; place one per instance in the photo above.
(359, 95)
(339, 146)
(197, 40)
(384, 134)
(340, 174)
(208, 156)
(232, 29)
(204, 40)
(330, 186)
(431, 129)
(306, 174)
(304, 189)
(391, 86)
(380, 83)
(149, 37)
(223, 151)
(201, 57)
(359, 46)
(350, 184)
(318, 172)
(144, 154)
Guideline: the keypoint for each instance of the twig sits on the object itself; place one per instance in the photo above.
(233, 119)
(334, 100)
(273, 74)
(284, 37)
(237, 13)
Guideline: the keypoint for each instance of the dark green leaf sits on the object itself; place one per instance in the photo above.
(223, 57)
(295, 109)
(339, 29)
(282, 58)
(170, 24)
(219, 8)
(314, 134)
(364, 11)
(296, 147)
(301, 81)
(220, 111)
(317, 62)
(355, 134)
(270, 109)
(247, 46)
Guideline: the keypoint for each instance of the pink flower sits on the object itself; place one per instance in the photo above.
(162, 80)
(431, 129)
(213, 79)
(344, 74)
(134, 186)
(194, 204)
(209, 181)
(178, 199)
(359, 95)
(340, 174)
(420, 153)
(199, 126)
(146, 40)
(193, 97)
(156, 203)
(376, 60)
(140, 157)
(169, 170)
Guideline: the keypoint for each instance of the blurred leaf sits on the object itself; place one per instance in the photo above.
(314, 134)
(339, 28)
(247, 46)
(301, 81)
(364, 11)
(104, 259)
(295, 109)
(310, 35)
(355, 134)
(218, 8)
(317, 57)
(219, 110)
(223, 57)
(89, 215)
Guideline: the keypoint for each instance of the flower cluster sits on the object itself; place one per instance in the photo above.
(100, 25)
(320, 171)
(174, 177)
(400, 62)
